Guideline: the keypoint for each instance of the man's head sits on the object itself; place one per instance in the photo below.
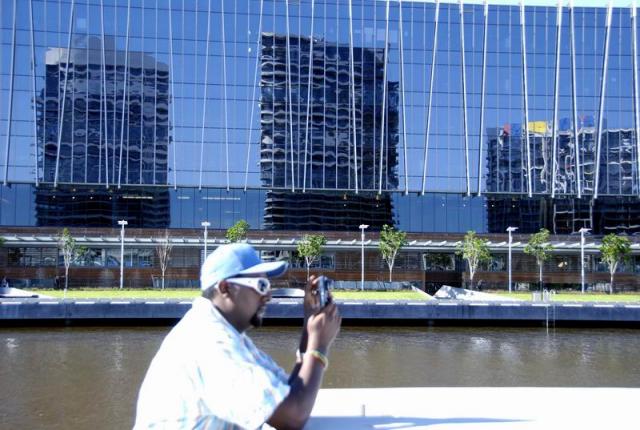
(235, 279)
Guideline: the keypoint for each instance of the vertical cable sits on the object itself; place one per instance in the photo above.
(525, 95)
(574, 99)
(224, 92)
(324, 96)
(171, 100)
(33, 89)
(603, 89)
(124, 92)
(352, 79)
(337, 94)
(256, 84)
(155, 96)
(430, 97)
(142, 96)
(556, 96)
(86, 109)
(384, 96)
(64, 93)
(206, 84)
(464, 97)
(309, 93)
(404, 116)
(103, 100)
(115, 96)
(482, 93)
(636, 106)
(290, 102)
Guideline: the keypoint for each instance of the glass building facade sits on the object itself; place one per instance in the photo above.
(320, 114)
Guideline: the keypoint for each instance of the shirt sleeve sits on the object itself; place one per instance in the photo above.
(242, 388)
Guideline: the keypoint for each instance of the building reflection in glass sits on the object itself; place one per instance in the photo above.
(315, 152)
(565, 214)
(104, 123)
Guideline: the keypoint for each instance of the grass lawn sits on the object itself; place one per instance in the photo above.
(115, 294)
(189, 294)
(192, 293)
(379, 295)
(579, 297)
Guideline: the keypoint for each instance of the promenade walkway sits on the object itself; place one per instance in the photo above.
(467, 408)
(281, 310)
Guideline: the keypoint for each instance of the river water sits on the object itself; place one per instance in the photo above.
(88, 378)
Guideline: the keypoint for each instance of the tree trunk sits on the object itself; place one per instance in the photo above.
(540, 267)
(390, 272)
(162, 281)
(611, 284)
(307, 280)
(66, 280)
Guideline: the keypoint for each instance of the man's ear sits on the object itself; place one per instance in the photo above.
(224, 288)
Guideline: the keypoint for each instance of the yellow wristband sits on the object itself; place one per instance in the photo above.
(320, 357)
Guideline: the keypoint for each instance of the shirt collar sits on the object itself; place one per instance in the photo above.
(205, 307)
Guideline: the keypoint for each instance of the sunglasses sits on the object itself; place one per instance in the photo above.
(261, 286)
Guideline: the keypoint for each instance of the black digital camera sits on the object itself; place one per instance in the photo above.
(324, 284)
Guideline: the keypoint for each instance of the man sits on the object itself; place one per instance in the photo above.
(209, 375)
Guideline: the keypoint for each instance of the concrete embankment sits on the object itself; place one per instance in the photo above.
(440, 312)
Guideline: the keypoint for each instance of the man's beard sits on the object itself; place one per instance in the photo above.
(256, 319)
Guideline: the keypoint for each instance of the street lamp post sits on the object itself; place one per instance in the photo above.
(363, 227)
(122, 223)
(583, 230)
(206, 225)
(510, 230)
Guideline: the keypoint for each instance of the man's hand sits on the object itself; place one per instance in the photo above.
(311, 299)
(323, 327)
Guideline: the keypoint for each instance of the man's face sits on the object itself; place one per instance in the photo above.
(251, 304)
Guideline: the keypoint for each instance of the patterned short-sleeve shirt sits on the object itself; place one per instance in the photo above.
(207, 375)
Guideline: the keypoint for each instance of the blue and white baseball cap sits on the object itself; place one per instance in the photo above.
(237, 259)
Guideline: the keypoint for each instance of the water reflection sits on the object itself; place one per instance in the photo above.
(77, 378)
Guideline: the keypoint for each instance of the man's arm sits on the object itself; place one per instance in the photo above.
(295, 409)
(311, 306)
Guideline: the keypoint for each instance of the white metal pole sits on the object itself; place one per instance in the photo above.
(362, 228)
(122, 224)
(205, 224)
(582, 259)
(205, 242)
(510, 230)
(509, 261)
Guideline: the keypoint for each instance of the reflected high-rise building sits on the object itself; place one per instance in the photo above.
(564, 214)
(103, 120)
(307, 155)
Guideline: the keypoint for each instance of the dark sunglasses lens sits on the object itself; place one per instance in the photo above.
(263, 285)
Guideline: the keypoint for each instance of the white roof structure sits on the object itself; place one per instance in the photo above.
(562, 247)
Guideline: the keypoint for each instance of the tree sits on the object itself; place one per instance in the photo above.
(540, 248)
(164, 255)
(238, 231)
(475, 250)
(310, 247)
(391, 240)
(614, 249)
(70, 251)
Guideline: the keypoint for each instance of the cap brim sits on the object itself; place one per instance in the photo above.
(270, 269)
